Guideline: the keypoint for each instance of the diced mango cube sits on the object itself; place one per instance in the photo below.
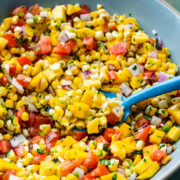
(80, 110)
(139, 37)
(48, 168)
(92, 83)
(3, 43)
(125, 129)
(69, 141)
(174, 133)
(112, 176)
(143, 165)
(156, 137)
(174, 111)
(136, 81)
(153, 168)
(71, 9)
(137, 160)
(148, 150)
(85, 31)
(152, 64)
(87, 98)
(59, 12)
(115, 63)
(110, 88)
(92, 126)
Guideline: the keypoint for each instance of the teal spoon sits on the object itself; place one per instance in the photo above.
(158, 89)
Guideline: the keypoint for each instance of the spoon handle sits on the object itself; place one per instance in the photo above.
(158, 89)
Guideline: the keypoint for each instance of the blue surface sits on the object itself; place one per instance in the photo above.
(151, 14)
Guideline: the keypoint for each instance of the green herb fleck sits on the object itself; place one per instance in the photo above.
(40, 151)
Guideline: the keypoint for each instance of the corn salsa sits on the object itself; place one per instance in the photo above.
(55, 63)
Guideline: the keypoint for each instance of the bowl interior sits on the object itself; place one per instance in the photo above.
(150, 15)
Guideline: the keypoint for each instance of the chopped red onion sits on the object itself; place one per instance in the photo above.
(87, 73)
(18, 86)
(153, 54)
(153, 76)
(136, 69)
(156, 121)
(17, 140)
(128, 26)
(23, 30)
(79, 171)
(63, 37)
(126, 90)
(32, 107)
(67, 87)
(169, 149)
(65, 82)
(29, 16)
(43, 14)
(164, 76)
(85, 17)
(111, 67)
(121, 171)
(158, 43)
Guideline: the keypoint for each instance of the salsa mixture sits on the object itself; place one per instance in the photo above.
(55, 63)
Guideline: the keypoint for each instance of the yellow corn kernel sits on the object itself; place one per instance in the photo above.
(3, 91)
(25, 116)
(1, 123)
(9, 103)
(7, 136)
(150, 110)
(166, 159)
(20, 104)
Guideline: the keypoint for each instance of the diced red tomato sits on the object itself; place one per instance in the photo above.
(89, 43)
(147, 75)
(36, 119)
(109, 132)
(20, 11)
(141, 122)
(158, 155)
(19, 150)
(19, 114)
(101, 170)
(119, 48)
(8, 173)
(38, 158)
(4, 80)
(151, 41)
(101, 139)
(24, 61)
(51, 139)
(23, 80)
(5, 146)
(45, 45)
(166, 139)
(34, 132)
(35, 9)
(143, 134)
(88, 177)
(36, 139)
(67, 166)
(12, 69)
(112, 119)
(112, 75)
(84, 9)
(91, 161)
(80, 135)
(106, 28)
(12, 41)
(65, 49)
(178, 93)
